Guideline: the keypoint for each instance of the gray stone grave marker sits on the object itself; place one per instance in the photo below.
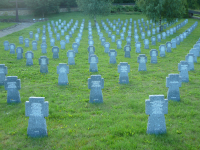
(153, 31)
(19, 51)
(171, 31)
(103, 40)
(55, 51)
(26, 41)
(29, 58)
(142, 60)
(129, 33)
(77, 40)
(31, 34)
(119, 44)
(156, 106)
(153, 54)
(67, 38)
(146, 44)
(112, 54)
(44, 39)
(168, 47)
(177, 40)
(173, 82)
(107, 47)
(62, 32)
(75, 47)
(143, 35)
(12, 48)
(162, 50)
(195, 52)
(36, 37)
(123, 70)
(6, 45)
(3, 73)
(71, 55)
(197, 46)
(128, 40)
(37, 109)
(167, 33)
(159, 38)
(12, 85)
(91, 42)
(148, 33)
(62, 71)
(58, 36)
(52, 41)
(153, 40)
(190, 59)
(158, 29)
(44, 48)
(96, 83)
(55, 30)
(122, 36)
(113, 37)
(173, 41)
(38, 30)
(127, 50)
(163, 35)
(183, 68)
(21, 39)
(93, 60)
(91, 50)
(50, 34)
(62, 44)
(43, 62)
(150, 26)
(138, 47)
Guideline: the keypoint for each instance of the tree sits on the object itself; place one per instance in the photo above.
(43, 6)
(160, 9)
(94, 8)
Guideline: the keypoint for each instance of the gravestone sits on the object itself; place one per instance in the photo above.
(190, 59)
(107, 47)
(43, 32)
(150, 26)
(122, 36)
(29, 58)
(19, 51)
(112, 54)
(162, 50)
(91, 50)
(12, 48)
(153, 54)
(159, 38)
(173, 41)
(103, 40)
(43, 62)
(127, 50)
(148, 33)
(119, 44)
(153, 31)
(36, 37)
(138, 47)
(123, 70)
(37, 109)
(58, 36)
(62, 44)
(173, 82)
(71, 55)
(12, 85)
(164, 35)
(129, 33)
(167, 33)
(43, 39)
(21, 39)
(55, 30)
(75, 47)
(181, 37)
(26, 41)
(136, 37)
(143, 35)
(146, 44)
(153, 40)
(44, 48)
(128, 40)
(63, 70)
(50, 34)
(31, 34)
(38, 30)
(34, 45)
(55, 51)
(62, 32)
(96, 83)
(171, 31)
(156, 106)
(197, 46)
(142, 60)
(195, 52)
(113, 38)
(177, 40)
(93, 60)
(168, 47)
(91, 43)
(67, 38)
(183, 68)
(52, 41)
(6, 45)
(3, 73)
(117, 31)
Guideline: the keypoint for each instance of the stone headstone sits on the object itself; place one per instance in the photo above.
(91, 43)
(190, 59)
(58, 36)
(91, 50)
(75, 47)
(44, 48)
(71, 55)
(142, 60)
(153, 54)
(6, 45)
(3, 73)
(43, 62)
(12, 48)
(159, 38)
(19, 51)
(128, 40)
(177, 40)
(52, 41)
(113, 38)
(146, 44)
(153, 31)
(36, 37)
(163, 35)
(143, 35)
(167, 33)
(168, 47)
(103, 40)
(127, 50)
(156, 106)
(195, 52)
(122, 36)
(29, 58)
(112, 54)
(62, 44)
(162, 50)
(173, 41)
(93, 60)
(31, 34)
(12, 85)
(173, 82)
(148, 33)
(107, 47)
(183, 68)
(197, 46)
(50, 34)
(21, 39)
(55, 51)
(37, 109)
(67, 38)
(119, 44)
(136, 37)
(26, 41)
(96, 83)
(171, 31)
(38, 30)
(62, 70)
(138, 47)
(123, 70)
(153, 40)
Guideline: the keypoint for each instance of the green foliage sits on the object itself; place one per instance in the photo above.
(159, 9)
(43, 7)
(193, 4)
(136, 8)
(124, 1)
(94, 8)
(11, 4)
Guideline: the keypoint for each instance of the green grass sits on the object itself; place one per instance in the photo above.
(4, 25)
(120, 122)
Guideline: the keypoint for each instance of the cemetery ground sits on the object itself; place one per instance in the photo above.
(4, 25)
(120, 121)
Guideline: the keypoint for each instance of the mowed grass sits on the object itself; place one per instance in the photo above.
(120, 122)
(4, 25)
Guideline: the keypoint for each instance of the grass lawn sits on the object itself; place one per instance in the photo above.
(120, 122)
(4, 25)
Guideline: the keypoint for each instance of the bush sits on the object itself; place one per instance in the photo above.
(113, 9)
(136, 8)
(119, 8)
(126, 8)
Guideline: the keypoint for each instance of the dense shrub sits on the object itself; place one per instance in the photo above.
(136, 8)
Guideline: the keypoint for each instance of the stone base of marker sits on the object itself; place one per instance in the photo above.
(123, 79)
(173, 95)
(96, 96)
(155, 125)
(43, 68)
(142, 67)
(93, 67)
(63, 80)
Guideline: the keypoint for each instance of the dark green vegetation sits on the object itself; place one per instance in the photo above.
(120, 122)
(4, 25)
